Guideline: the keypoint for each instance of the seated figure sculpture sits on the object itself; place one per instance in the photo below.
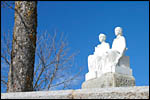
(119, 45)
(116, 53)
(94, 61)
(106, 60)
(109, 67)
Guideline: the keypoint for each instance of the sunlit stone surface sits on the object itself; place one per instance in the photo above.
(135, 92)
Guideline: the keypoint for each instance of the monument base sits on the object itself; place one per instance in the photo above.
(110, 80)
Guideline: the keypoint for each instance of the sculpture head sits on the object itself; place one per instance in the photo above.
(102, 37)
(118, 31)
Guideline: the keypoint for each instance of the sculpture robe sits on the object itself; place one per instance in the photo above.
(111, 59)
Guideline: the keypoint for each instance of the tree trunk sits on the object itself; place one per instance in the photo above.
(21, 70)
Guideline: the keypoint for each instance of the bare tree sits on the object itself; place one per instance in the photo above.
(53, 62)
(54, 65)
(6, 45)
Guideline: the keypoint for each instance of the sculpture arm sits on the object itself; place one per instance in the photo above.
(123, 46)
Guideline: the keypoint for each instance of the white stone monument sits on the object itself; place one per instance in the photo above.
(94, 61)
(112, 63)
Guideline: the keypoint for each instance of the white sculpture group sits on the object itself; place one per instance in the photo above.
(106, 59)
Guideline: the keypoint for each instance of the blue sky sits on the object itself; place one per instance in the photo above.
(83, 21)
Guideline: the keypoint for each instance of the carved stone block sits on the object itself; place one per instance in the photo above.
(110, 80)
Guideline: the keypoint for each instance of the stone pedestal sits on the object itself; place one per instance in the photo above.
(123, 67)
(110, 80)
